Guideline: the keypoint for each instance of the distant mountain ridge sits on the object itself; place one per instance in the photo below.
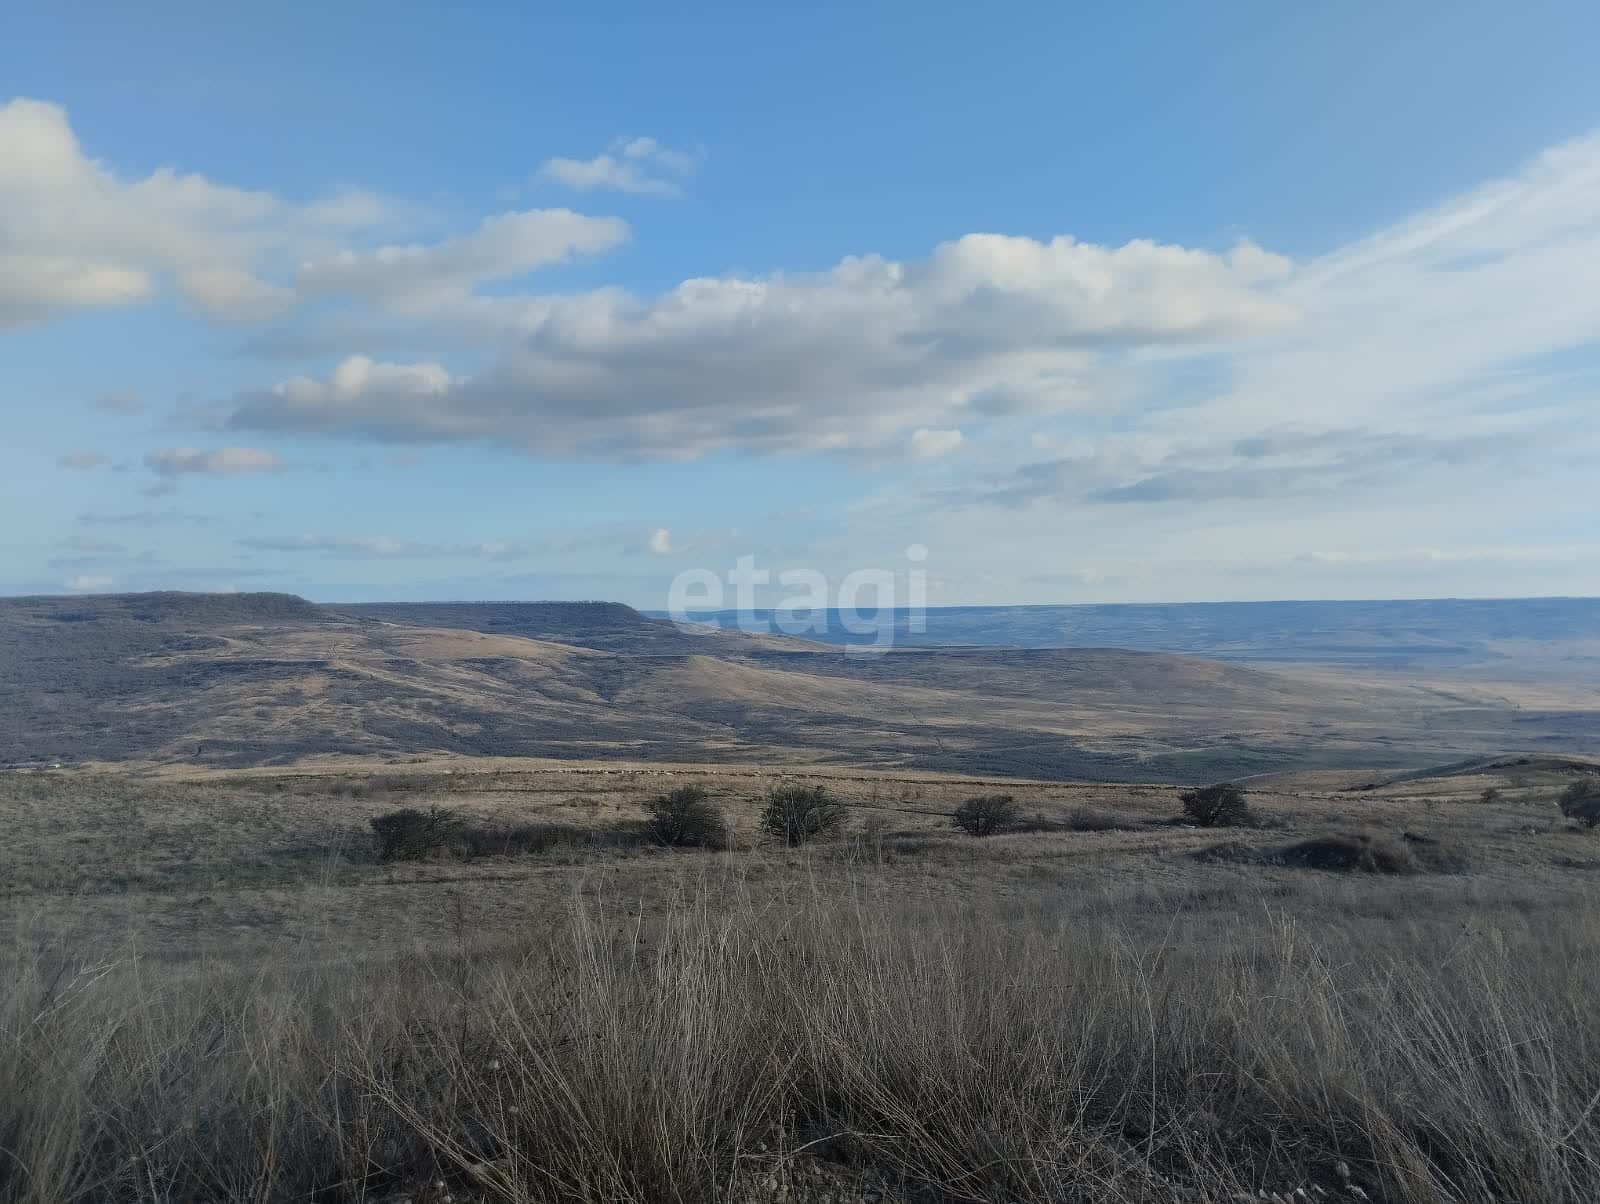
(234, 680)
(607, 626)
(1399, 633)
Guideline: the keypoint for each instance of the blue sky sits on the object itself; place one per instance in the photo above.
(1140, 302)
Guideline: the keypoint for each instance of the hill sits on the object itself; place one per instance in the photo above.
(607, 626)
(237, 680)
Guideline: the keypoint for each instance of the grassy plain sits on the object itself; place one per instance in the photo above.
(215, 992)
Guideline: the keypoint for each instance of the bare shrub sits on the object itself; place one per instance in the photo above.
(985, 815)
(1363, 853)
(1581, 801)
(1222, 805)
(795, 814)
(1374, 853)
(686, 818)
(415, 833)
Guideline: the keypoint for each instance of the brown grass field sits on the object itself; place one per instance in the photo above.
(217, 993)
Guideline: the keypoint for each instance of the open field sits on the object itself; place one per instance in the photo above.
(218, 992)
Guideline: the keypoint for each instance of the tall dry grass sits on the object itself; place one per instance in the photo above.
(964, 1052)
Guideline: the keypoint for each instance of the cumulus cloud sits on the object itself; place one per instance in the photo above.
(88, 583)
(853, 357)
(929, 444)
(636, 165)
(75, 235)
(214, 462)
(660, 542)
(82, 461)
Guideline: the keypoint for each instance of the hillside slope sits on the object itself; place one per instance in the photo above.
(607, 626)
(249, 679)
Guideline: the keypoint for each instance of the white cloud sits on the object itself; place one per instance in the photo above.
(854, 357)
(233, 294)
(660, 542)
(75, 235)
(1162, 400)
(82, 461)
(636, 165)
(929, 444)
(88, 583)
(1455, 355)
(215, 462)
(504, 246)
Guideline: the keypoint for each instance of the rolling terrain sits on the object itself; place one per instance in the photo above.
(246, 679)
(222, 984)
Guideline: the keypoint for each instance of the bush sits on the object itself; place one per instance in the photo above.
(1581, 801)
(1220, 806)
(985, 815)
(796, 814)
(411, 833)
(1490, 796)
(1362, 853)
(685, 818)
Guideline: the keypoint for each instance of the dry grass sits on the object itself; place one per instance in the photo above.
(1081, 1013)
(695, 1053)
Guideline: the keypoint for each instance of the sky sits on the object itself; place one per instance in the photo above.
(1083, 303)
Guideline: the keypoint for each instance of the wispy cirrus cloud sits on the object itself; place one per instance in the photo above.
(83, 461)
(929, 444)
(144, 518)
(625, 539)
(1278, 463)
(382, 547)
(212, 462)
(423, 273)
(118, 402)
